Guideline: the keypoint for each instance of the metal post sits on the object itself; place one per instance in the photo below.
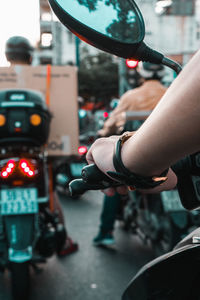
(77, 43)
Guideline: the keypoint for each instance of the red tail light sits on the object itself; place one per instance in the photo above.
(4, 174)
(26, 168)
(82, 150)
(8, 169)
(105, 114)
(131, 63)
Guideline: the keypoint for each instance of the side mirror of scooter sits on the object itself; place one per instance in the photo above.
(114, 26)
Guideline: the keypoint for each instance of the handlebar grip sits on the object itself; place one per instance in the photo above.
(92, 179)
(78, 187)
(92, 174)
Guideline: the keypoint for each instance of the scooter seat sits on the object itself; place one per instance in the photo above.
(172, 276)
(190, 239)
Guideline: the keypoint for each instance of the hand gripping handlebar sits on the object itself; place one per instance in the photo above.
(91, 179)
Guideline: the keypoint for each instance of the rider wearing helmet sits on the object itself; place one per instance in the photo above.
(18, 50)
(143, 98)
(151, 71)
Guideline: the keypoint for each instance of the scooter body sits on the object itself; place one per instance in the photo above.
(174, 275)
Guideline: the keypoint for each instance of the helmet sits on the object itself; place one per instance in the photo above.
(151, 71)
(18, 48)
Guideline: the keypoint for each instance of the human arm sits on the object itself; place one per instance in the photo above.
(171, 131)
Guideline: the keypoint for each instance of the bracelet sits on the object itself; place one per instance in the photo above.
(134, 181)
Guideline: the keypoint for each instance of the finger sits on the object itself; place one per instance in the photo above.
(109, 192)
(89, 157)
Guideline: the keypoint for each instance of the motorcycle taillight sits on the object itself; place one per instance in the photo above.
(8, 169)
(14, 167)
(82, 150)
(26, 168)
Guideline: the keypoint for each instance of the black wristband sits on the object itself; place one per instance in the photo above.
(127, 177)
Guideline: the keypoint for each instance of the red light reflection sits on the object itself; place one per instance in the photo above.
(82, 150)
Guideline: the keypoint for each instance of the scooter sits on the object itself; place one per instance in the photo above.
(176, 274)
(159, 220)
(172, 276)
(67, 169)
(30, 230)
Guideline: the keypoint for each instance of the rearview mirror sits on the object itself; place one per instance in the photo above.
(114, 26)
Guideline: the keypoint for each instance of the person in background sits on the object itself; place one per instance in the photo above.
(19, 51)
(145, 97)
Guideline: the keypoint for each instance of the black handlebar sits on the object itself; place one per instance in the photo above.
(92, 179)
(92, 174)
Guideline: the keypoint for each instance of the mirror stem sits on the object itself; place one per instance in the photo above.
(145, 53)
(172, 64)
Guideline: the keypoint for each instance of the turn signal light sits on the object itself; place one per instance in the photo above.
(35, 120)
(2, 120)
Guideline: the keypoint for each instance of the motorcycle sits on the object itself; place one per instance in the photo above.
(30, 230)
(174, 275)
(158, 219)
(68, 169)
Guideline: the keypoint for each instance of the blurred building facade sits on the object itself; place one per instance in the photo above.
(172, 27)
(57, 45)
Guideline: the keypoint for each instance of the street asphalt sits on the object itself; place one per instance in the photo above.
(92, 273)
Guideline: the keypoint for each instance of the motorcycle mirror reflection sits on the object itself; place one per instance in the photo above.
(114, 26)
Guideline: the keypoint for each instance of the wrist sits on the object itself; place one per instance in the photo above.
(127, 176)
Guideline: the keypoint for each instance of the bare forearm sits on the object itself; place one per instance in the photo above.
(172, 130)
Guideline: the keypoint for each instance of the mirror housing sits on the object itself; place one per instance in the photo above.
(119, 31)
(98, 39)
(174, 275)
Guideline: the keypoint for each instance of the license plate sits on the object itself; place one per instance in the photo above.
(171, 201)
(76, 169)
(19, 201)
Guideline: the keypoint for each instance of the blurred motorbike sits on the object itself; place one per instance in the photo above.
(66, 170)
(30, 230)
(158, 219)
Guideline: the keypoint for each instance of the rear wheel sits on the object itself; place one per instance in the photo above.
(20, 277)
